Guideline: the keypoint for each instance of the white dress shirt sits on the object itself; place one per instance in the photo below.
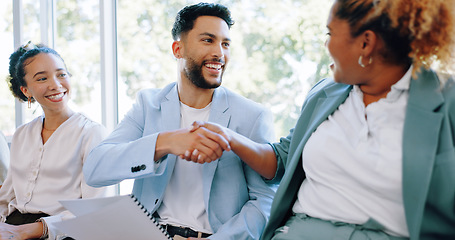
(353, 163)
(41, 174)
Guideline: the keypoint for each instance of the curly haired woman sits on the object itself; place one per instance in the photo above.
(47, 154)
(373, 153)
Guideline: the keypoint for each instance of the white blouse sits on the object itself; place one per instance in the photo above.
(4, 158)
(42, 174)
(353, 163)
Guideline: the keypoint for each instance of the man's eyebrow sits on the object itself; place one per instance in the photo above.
(213, 36)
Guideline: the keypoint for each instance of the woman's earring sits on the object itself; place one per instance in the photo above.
(361, 61)
(29, 102)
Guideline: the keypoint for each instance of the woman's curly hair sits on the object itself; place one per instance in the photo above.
(418, 32)
(19, 59)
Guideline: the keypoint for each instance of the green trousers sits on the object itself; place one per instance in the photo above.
(303, 227)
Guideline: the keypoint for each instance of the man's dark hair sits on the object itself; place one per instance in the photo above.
(184, 21)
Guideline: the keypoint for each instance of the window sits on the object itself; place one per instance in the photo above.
(78, 42)
(6, 39)
(277, 52)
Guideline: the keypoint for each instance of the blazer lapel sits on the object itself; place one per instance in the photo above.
(335, 95)
(220, 105)
(420, 139)
(219, 115)
(170, 110)
(311, 117)
(170, 116)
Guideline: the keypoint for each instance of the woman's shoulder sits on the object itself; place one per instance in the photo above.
(36, 122)
(448, 84)
(88, 128)
(84, 122)
(327, 85)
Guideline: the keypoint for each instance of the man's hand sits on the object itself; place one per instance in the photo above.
(212, 127)
(215, 132)
(201, 145)
(259, 156)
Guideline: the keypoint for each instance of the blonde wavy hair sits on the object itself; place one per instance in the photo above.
(418, 32)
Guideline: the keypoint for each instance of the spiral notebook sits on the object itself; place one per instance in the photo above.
(119, 217)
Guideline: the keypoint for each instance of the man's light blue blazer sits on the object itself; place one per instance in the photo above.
(428, 155)
(236, 198)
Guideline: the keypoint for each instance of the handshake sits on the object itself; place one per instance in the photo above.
(203, 142)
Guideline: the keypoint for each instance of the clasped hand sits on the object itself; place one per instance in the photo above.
(211, 140)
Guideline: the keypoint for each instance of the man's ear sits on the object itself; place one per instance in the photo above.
(177, 49)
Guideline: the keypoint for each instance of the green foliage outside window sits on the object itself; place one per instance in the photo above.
(277, 50)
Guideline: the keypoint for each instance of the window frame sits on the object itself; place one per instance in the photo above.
(108, 46)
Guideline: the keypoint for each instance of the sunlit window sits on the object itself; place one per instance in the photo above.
(6, 41)
(277, 52)
(78, 41)
(31, 32)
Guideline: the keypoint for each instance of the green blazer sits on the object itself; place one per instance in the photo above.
(428, 155)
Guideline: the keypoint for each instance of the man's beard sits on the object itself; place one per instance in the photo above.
(194, 73)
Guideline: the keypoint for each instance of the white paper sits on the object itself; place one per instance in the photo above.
(117, 217)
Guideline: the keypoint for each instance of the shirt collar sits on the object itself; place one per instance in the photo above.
(397, 89)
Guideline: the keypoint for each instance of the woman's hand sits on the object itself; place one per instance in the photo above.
(213, 133)
(260, 157)
(197, 144)
(214, 128)
(8, 231)
(20, 232)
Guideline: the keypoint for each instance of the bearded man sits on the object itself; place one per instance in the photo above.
(220, 199)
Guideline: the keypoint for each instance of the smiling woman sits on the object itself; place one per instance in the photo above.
(48, 151)
(39, 74)
(277, 53)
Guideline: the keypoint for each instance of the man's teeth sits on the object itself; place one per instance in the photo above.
(60, 95)
(214, 66)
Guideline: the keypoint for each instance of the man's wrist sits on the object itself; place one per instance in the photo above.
(161, 148)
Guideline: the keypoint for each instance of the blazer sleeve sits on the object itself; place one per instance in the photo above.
(125, 153)
(250, 222)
